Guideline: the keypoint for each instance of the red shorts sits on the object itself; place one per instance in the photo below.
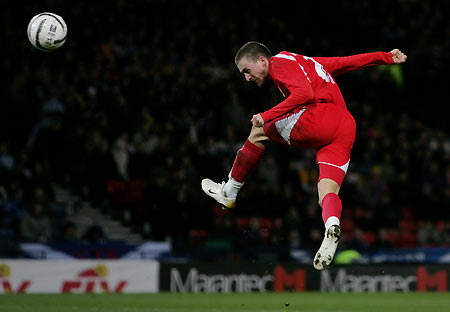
(328, 128)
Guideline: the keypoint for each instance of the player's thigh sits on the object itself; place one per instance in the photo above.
(333, 161)
(334, 158)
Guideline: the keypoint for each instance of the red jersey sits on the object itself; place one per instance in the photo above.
(305, 80)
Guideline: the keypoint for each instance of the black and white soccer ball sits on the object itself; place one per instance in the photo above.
(47, 31)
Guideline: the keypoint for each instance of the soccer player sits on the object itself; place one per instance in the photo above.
(312, 115)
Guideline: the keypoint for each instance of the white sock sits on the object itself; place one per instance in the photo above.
(331, 221)
(232, 187)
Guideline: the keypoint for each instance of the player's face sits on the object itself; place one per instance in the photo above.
(255, 71)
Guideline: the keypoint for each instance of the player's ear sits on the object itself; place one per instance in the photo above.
(262, 59)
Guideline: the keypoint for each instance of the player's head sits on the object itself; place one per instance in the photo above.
(252, 60)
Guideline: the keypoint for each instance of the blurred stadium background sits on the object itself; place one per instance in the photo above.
(103, 143)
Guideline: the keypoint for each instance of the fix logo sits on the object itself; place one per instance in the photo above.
(427, 281)
(295, 280)
(93, 280)
(5, 283)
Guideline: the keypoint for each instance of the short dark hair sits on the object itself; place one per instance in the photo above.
(252, 50)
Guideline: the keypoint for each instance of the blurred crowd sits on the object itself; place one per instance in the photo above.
(144, 100)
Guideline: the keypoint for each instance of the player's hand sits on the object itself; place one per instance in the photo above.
(257, 121)
(398, 56)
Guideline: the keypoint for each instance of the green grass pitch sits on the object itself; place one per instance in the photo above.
(273, 302)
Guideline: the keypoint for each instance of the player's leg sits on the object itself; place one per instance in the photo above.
(247, 159)
(333, 160)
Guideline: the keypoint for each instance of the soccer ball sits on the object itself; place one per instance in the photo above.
(47, 31)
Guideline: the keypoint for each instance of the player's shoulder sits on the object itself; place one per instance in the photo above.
(284, 57)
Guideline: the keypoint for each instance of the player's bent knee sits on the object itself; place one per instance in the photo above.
(257, 136)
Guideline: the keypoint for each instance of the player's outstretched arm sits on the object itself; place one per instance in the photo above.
(341, 65)
(398, 56)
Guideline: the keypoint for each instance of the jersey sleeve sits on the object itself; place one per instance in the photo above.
(289, 74)
(341, 65)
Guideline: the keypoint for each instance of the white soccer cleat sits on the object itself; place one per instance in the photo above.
(325, 254)
(215, 190)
